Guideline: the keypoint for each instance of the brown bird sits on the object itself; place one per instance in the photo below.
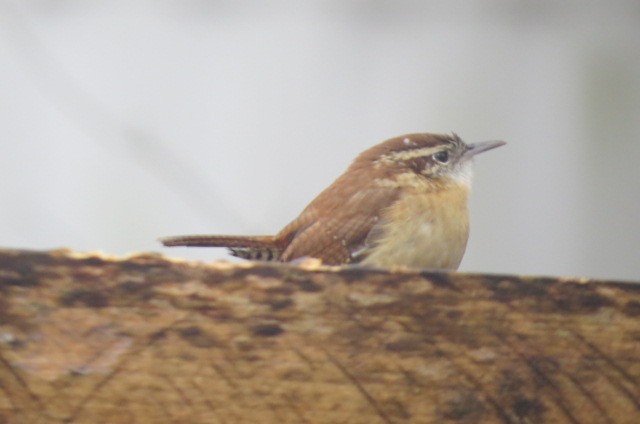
(402, 202)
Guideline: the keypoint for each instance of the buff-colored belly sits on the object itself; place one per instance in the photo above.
(423, 231)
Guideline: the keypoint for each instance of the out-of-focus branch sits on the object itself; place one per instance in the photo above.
(88, 338)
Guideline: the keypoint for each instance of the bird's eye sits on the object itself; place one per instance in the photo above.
(442, 157)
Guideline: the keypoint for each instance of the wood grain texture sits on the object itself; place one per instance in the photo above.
(145, 339)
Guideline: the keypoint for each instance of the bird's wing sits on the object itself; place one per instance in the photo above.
(336, 234)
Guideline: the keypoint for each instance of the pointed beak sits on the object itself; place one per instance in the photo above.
(474, 149)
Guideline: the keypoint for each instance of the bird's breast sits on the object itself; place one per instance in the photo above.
(424, 230)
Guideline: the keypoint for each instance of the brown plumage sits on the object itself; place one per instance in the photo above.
(380, 196)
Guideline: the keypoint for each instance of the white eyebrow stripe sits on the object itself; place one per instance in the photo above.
(415, 153)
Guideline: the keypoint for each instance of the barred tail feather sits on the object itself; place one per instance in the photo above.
(256, 253)
(246, 247)
(219, 241)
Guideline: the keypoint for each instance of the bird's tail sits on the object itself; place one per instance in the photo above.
(247, 247)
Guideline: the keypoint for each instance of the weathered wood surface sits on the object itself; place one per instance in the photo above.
(90, 339)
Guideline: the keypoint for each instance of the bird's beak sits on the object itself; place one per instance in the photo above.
(474, 149)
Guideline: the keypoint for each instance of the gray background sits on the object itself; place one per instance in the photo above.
(123, 121)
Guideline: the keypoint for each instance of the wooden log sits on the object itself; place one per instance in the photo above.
(86, 338)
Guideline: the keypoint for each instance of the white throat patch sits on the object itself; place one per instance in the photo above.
(464, 174)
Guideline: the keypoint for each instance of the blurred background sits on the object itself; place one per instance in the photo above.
(125, 121)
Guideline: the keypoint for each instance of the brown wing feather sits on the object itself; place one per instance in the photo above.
(333, 227)
(334, 234)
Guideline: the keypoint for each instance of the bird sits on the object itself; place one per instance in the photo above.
(401, 203)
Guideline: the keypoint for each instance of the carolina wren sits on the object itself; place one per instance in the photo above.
(400, 203)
